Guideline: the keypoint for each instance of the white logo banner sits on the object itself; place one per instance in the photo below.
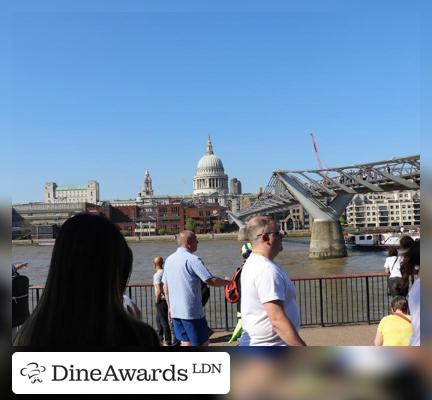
(121, 373)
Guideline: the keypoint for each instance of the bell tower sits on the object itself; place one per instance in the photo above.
(147, 189)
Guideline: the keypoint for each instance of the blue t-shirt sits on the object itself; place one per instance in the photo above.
(183, 274)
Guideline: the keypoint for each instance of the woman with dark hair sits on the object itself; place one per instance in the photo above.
(392, 267)
(410, 267)
(82, 303)
(396, 286)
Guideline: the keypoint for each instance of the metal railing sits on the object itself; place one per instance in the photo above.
(323, 301)
(342, 299)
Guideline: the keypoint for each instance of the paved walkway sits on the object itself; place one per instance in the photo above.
(352, 335)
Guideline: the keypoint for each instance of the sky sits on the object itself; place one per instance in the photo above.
(105, 91)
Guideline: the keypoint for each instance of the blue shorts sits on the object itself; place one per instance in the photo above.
(191, 330)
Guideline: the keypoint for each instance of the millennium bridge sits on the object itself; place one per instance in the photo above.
(325, 193)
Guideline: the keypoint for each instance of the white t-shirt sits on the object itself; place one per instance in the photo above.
(393, 265)
(414, 306)
(157, 278)
(263, 281)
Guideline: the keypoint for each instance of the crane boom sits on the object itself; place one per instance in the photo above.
(315, 146)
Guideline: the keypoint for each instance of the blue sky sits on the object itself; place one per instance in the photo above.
(106, 92)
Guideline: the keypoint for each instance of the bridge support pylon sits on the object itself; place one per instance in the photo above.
(326, 234)
(242, 227)
(327, 240)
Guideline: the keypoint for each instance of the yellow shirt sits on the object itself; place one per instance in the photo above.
(395, 330)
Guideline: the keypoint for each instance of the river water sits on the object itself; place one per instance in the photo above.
(220, 256)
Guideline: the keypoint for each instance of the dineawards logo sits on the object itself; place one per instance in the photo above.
(117, 372)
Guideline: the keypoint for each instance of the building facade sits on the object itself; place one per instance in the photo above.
(392, 209)
(235, 186)
(71, 193)
(176, 217)
(296, 218)
(41, 220)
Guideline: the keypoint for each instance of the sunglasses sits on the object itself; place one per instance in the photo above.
(270, 233)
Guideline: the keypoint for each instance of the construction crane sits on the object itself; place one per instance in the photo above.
(315, 146)
(320, 164)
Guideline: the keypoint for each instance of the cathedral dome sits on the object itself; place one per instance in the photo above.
(210, 174)
(210, 163)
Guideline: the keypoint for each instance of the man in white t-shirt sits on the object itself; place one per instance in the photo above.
(270, 314)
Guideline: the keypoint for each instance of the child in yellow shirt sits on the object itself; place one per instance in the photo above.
(395, 329)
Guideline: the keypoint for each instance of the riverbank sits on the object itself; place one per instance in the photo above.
(164, 238)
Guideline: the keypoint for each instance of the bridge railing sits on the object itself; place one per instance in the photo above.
(323, 301)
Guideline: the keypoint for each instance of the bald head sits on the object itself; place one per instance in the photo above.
(158, 262)
(188, 240)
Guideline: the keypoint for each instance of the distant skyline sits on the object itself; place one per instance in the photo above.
(105, 95)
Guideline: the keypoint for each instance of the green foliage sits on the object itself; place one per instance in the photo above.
(342, 220)
(190, 224)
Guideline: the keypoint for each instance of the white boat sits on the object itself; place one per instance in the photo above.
(377, 241)
(366, 241)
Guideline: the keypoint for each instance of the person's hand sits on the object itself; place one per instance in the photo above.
(20, 265)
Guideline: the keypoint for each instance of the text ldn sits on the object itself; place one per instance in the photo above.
(62, 373)
(204, 368)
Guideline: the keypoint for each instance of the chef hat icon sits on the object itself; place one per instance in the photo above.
(33, 371)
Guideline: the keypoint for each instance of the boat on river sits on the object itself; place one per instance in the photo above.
(376, 241)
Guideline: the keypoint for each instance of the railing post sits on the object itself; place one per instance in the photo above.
(367, 300)
(321, 302)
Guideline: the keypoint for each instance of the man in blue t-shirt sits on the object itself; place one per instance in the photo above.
(182, 278)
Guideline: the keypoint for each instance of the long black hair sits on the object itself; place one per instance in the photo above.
(82, 303)
(411, 262)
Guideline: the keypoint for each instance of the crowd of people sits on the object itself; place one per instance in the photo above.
(84, 303)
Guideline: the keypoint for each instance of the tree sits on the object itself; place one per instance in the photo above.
(190, 224)
(343, 220)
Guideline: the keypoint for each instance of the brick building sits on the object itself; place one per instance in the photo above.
(173, 218)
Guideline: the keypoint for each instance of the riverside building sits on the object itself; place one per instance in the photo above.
(71, 193)
(392, 209)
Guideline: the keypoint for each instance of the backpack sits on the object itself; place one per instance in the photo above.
(20, 299)
(233, 289)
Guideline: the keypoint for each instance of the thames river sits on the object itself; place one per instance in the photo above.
(220, 256)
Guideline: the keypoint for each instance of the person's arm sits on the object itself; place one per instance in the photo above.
(158, 291)
(386, 268)
(165, 290)
(20, 265)
(378, 339)
(281, 323)
(217, 282)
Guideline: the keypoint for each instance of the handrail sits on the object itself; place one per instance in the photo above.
(293, 278)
